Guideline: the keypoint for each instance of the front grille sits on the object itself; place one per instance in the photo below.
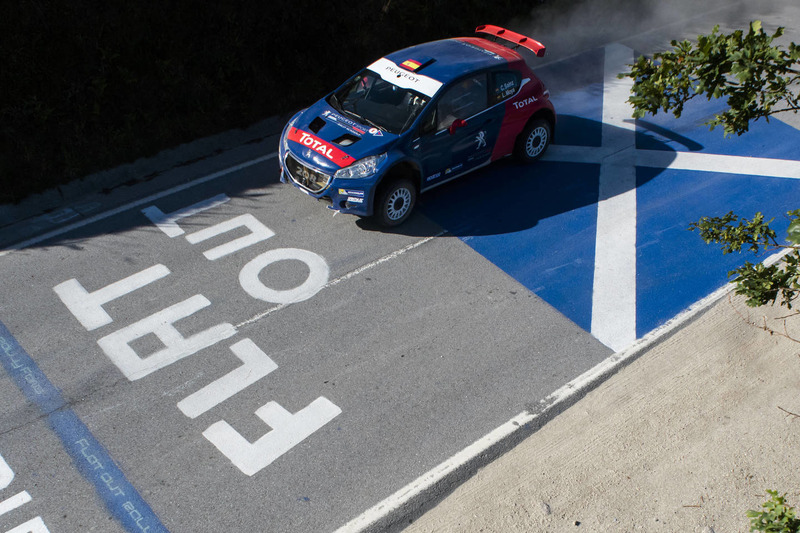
(306, 177)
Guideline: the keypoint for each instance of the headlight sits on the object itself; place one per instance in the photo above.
(361, 168)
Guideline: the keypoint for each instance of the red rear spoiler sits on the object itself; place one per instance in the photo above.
(512, 37)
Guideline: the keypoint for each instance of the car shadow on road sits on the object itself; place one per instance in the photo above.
(508, 196)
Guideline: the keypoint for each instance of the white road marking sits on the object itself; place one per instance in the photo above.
(318, 273)
(87, 307)
(349, 275)
(385, 258)
(258, 232)
(168, 222)
(725, 164)
(287, 431)
(15, 501)
(694, 161)
(117, 347)
(34, 525)
(256, 365)
(6, 474)
(614, 289)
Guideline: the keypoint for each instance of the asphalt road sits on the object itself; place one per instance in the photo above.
(285, 382)
(422, 354)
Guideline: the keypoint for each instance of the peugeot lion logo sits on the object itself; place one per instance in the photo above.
(481, 140)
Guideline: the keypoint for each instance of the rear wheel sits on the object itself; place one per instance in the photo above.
(395, 203)
(534, 140)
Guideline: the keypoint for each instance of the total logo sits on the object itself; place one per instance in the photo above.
(523, 103)
(315, 144)
(318, 145)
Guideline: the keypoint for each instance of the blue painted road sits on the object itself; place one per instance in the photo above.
(539, 223)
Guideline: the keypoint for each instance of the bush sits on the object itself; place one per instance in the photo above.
(777, 517)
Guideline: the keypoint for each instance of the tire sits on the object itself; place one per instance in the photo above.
(395, 203)
(534, 140)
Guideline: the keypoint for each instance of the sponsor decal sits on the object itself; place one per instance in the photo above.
(453, 169)
(355, 200)
(482, 50)
(376, 132)
(507, 85)
(507, 89)
(344, 122)
(315, 144)
(481, 140)
(523, 103)
(433, 176)
(401, 77)
(351, 192)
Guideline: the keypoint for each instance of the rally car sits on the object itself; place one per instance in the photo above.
(416, 119)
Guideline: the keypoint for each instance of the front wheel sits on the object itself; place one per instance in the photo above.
(395, 203)
(534, 140)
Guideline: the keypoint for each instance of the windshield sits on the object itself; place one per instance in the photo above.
(371, 100)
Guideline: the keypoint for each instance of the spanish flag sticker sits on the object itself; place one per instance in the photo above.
(411, 65)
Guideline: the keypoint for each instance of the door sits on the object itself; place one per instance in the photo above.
(461, 131)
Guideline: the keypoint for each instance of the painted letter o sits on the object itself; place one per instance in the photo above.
(317, 276)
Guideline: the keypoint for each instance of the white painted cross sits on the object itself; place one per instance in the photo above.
(614, 290)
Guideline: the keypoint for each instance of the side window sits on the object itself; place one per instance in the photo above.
(504, 85)
(428, 124)
(466, 98)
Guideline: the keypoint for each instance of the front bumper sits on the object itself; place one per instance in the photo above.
(353, 197)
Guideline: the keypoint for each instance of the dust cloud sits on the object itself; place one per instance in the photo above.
(570, 27)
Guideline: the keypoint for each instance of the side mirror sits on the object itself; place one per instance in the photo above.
(457, 123)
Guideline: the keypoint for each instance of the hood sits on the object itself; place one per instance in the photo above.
(330, 140)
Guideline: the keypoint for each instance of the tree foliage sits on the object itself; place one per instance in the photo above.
(760, 284)
(756, 78)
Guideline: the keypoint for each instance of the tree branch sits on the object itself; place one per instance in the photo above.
(747, 320)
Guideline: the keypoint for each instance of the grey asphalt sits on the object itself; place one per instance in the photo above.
(424, 353)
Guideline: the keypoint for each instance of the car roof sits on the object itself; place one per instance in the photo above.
(449, 59)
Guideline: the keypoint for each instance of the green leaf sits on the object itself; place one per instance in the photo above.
(745, 70)
(793, 233)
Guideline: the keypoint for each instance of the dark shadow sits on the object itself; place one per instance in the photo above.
(508, 196)
(253, 183)
(502, 198)
(649, 142)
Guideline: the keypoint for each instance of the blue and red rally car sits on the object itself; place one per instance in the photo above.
(416, 119)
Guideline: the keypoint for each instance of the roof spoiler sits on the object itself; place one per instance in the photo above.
(512, 37)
